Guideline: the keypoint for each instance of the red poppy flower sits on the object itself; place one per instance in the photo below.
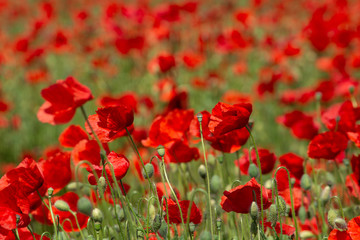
(355, 136)
(162, 189)
(352, 232)
(120, 164)
(327, 145)
(231, 141)
(71, 136)
(240, 198)
(115, 118)
(58, 162)
(293, 163)
(24, 234)
(174, 213)
(169, 127)
(86, 150)
(164, 62)
(347, 117)
(267, 160)
(194, 128)
(298, 197)
(62, 99)
(180, 152)
(286, 229)
(226, 118)
(128, 99)
(71, 199)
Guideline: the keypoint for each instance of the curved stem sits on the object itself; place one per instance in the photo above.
(291, 198)
(260, 177)
(207, 179)
(340, 205)
(77, 224)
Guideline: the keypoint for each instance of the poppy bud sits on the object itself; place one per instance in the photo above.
(340, 224)
(156, 223)
(325, 194)
(117, 211)
(218, 224)
(330, 180)
(268, 184)
(253, 170)
(205, 235)
(97, 215)
(97, 226)
(318, 96)
(351, 89)
(101, 186)
(273, 215)
(149, 170)
(192, 227)
(211, 159)
(305, 182)
(282, 206)
(199, 117)
(84, 206)
(254, 228)
(254, 211)
(215, 184)
(62, 205)
(331, 217)
(50, 191)
(302, 214)
(163, 229)
(202, 171)
(160, 150)
(72, 187)
(220, 160)
(306, 234)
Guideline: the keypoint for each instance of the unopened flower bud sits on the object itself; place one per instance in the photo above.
(97, 226)
(199, 117)
(211, 159)
(149, 170)
(218, 224)
(273, 215)
(156, 223)
(101, 186)
(306, 234)
(331, 217)
(253, 170)
(192, 227)
(202, 171)
(215, 184)
(50, 191)
(302, 214)
(62, 205)
(72, 187)
(160, 150)
(330, 180)
(351, 89)
(282, 206)
(84, 206)
(325, 194)
(340, 224)
(305, 182)
(220, 160)
(97, 215)
(254, 211)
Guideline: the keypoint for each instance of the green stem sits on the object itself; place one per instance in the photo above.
(53, 218)
(260, 177)
(77, 224)
(207, 179)
(340, 205)
(291, 198)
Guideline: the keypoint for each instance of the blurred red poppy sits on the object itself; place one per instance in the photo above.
(62, 99)
(345, 113)
(351, 233)
(72, 135)
(115, 118)
(174, 213)
(180, 152)
(239, 199)
(327, 145)
(293, 163)
(267, 160)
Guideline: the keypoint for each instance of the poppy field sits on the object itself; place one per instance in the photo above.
(186, 119)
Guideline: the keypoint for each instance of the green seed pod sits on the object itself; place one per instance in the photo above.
(84, 206)
(149, 170)
(50, 191)
(253, 170)
(330, 180)
(101, 186)
(302, 214)
(192, 227)
(218, 224)
(163, 229)
(305, 182)
(160, 150)
(62, 205)
(254, 228)
(117, 211)
(205, 235)
(97, 226)
(325, 194)
(156, 223)
(72, 187)
(199, 117)
(331, 217)
(282, 206)
(306, 234)
(211, 159)
(97, 215)
(273, 215)
(220, 159)
(215, 184)
(202, 171)
(254, 211)
(340, 224)
(268, 184)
